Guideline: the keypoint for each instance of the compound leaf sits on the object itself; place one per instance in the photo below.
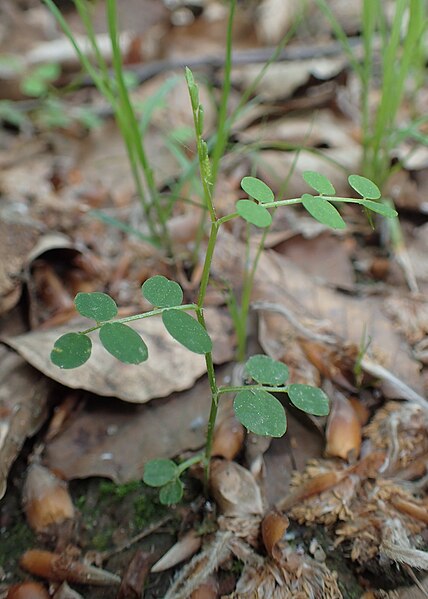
(160, 472)
(257, 189)
(365, 187)
(253, 213)
(309, 399)
(123, 343)
(260, 412)
(96, 305)
(171, 493)
(319, 182)
(266, 371)
(162, 292)
(71, 350)
(323, 211)
(187, 331)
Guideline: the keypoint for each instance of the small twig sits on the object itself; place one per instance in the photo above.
(242, 57)
(105, 555)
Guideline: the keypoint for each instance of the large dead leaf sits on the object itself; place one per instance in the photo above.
(23, 397)
(108, 438)
(321, 310)
(170, 366)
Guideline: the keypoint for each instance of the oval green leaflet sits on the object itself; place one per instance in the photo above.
(309, 399)
(187, 331)
(123, 343)
(161, 292)
(160, 472)
(379, 207)
(71, 350)
(263, 369)
(323, 211)
(365, 187)
(319, 182)
(253, 213)
(96, 305)
(260, 412)
(257, 189)
(171, 493)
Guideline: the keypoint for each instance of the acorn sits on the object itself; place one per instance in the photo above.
(63, 567)
(46, 499)
(27, 590)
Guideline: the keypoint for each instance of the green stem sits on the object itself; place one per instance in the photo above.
(207, 263)
(208, 357)
(246, 298)
(196, 459)
(222, 125)
(236, 389)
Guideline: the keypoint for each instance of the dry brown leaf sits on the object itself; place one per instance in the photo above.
(333, 261)
(108, 438)
(313, 311)
(235, 489)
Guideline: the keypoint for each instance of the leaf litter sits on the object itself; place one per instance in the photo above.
(314, 312)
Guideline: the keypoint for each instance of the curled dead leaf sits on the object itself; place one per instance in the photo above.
(235, 490)
(313, 486)
(343, 431)
(274, 526)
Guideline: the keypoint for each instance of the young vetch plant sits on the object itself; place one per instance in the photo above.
(255, 405)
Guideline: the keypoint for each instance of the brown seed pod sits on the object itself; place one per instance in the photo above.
(228, 438)
(274, 525)
(27, 590)
(344, 430)
(60, 567)
(419, 512)
(45, 498)
(184, 548)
